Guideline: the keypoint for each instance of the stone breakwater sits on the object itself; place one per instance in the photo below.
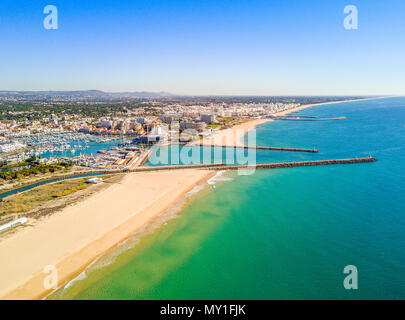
(216, 166)
(303, 163)
(223, 166)
(262, 148)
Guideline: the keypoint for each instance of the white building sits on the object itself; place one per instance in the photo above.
(207, 118)
(9, 146)
(94, 180)
(107, 124)
(158, 134)
(53, 119)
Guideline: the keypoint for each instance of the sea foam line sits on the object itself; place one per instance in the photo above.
(218, 178)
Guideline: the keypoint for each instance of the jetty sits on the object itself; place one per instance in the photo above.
(222, 166)
(211, 166)
(304, 163)
(304, 118)
(260, 148)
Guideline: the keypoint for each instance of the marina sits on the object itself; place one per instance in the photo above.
(59, 144)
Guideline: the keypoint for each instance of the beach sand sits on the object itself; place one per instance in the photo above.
(234, 136)
(72, 238)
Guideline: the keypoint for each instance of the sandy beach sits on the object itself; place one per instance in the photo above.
(72, 238)
(235, 136)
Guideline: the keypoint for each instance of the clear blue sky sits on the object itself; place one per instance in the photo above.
(271, 47)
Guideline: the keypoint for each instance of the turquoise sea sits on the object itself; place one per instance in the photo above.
(282, 233)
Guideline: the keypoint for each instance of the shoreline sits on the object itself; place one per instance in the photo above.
(73, 255)
(72, 264)
(235, 136)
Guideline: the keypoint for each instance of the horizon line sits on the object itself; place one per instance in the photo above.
(209, 95)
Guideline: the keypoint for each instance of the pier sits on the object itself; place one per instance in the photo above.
(305, 118)
(261, 148)
(213, 166)
(222, 166)
(303, 163)
(144, 157)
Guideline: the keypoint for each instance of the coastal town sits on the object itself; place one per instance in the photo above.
(116, 136)
(70, 157)
(201, 159)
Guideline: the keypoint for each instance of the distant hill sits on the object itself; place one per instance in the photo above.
(82, 94)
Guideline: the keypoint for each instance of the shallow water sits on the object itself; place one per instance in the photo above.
(282, 233)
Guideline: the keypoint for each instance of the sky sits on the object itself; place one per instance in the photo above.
(205, 47)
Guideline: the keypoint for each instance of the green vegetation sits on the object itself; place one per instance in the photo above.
(31, 199)
(228, 122)
(32, 111)
(70, 191)
(30, 167)
(34, 198)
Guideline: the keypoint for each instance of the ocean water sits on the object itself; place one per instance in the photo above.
(281, 233)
